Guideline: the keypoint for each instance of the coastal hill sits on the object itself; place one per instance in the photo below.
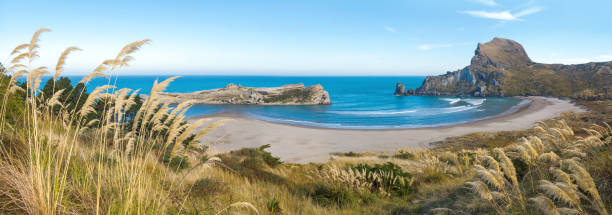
(501, 67)
(291, 94)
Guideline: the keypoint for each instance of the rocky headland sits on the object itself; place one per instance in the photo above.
(501, 67)
(292, 94)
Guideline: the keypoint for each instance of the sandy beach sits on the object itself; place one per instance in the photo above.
(306, 144)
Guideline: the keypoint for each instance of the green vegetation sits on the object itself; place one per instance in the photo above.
(404, 155)
(389, 174)
(348, 154)
(293, 95)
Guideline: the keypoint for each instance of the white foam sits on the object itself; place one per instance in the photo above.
(298, 122)
(454, 109)
(474, 101)
(451, 100)
(469, 101)
(365, 113)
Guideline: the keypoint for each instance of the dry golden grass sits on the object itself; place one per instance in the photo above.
(564, 185)
(117, 172)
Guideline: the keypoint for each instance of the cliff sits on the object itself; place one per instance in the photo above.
(501, 67)
(292, 94)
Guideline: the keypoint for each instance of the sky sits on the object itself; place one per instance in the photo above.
(310, 37)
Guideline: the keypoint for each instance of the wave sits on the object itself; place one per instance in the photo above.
(474, 101)
(298, 122)
(374, 112)
(346, 126)
(421, 112)
(453, 109)
(451, 100)
(469, 101)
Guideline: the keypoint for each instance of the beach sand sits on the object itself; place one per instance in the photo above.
(301, 144)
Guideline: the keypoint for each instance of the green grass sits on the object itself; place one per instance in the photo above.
(293, 95)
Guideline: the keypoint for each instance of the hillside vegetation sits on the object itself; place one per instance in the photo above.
(66, 151)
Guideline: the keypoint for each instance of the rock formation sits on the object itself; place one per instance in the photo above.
(292, 94)
(501, 67)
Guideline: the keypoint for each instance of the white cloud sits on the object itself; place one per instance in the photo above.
(390, 29)
(605, 57)
(487, 2)
(427, 47)
(600, 58)
(502, 15)
(527, 11)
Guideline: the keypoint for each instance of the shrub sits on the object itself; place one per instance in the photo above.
(300, 95)
(327, 195)
(393, 179)
(347, 154)
(259, 154)
(251, 163)
(267, 156)
(178, 163)
(404, 155)
(273, 206)
(352, 154)
(207, 187)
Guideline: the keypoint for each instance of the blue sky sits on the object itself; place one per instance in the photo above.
(317, 37)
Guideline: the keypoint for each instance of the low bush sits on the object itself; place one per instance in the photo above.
(252, 163)
(327, 195)
(207, 187)
(392, 178)
(404, 155)
(299, 95)
(273, 206)
(178, 163)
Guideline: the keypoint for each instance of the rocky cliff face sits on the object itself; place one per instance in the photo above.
(501, 67)
(292, 94)
(500, 53)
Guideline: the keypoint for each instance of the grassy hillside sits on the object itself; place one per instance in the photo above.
(64, 151)
(592, 81)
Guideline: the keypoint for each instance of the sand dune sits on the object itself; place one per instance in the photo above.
(305, 144)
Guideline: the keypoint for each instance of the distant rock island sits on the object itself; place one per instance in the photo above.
(292, 94)
(501, 67)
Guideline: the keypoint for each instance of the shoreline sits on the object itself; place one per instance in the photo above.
(519, 107)
(304, 144)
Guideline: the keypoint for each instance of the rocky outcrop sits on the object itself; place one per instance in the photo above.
(399, 90)
(292, 94)
(501, 67)
(500, 53)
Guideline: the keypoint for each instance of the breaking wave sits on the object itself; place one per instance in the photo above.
(469, 101)
(368, 113)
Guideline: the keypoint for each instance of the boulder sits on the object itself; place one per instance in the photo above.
(399, 89)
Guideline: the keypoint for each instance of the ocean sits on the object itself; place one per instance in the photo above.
(357, 102)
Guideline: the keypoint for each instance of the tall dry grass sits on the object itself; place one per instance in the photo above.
(66, 162)
(552, 177)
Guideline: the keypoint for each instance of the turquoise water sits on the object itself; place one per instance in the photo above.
(357, 102)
